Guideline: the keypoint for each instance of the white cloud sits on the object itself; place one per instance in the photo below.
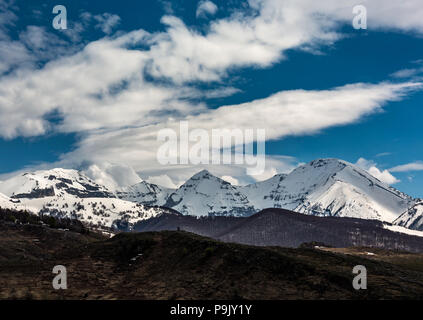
(206, 8)
(414, 166)
(44, 45)
(416, 71)
(303, 112)
(7, 18)
(383, 154)
(106, 22)
(102, 94)
(13, 54)
(233, 181)
(112, 176)
(35, 45)
(113, 74)
(382, 14)
(404, 16)
(77, 28)
(370, 166)
(85, 90)
(174, 176)
(299, 112)
(384, 176)
(162, 180)
(182, 54)
(167, 7)
(406, 73)
(220, 93)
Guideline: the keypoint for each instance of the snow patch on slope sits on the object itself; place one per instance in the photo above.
(412, 218)
(145, 193)
(403, 230)
(8, 203)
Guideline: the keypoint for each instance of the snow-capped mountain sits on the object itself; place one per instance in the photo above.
(205, 194)
(145, 193)
(330, 187)
(48, 183)
(266, 194)
(325, 187)
(412, 218)
(69, 193)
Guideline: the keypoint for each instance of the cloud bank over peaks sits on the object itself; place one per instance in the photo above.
(113, 176)
(299, 112)
(383, 175)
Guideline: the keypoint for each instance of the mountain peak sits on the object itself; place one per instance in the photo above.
(206, 194)
(203, 174)
(328, 162)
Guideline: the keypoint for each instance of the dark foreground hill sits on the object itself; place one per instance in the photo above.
(278, 227)
(181, 265)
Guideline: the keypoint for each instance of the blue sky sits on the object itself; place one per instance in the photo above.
(385, 136)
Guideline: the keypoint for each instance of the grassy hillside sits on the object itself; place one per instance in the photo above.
(181, 265)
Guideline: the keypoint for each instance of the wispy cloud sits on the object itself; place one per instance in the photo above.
(299, 112)
(206, 8)
(407, 73)
(414, 166)
(415, 71)
(383, 154)
(106, 22)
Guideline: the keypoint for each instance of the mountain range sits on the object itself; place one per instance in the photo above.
(324, 187)
(71, 194)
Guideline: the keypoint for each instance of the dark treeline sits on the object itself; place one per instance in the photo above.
(24, 217)
(278, 227)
